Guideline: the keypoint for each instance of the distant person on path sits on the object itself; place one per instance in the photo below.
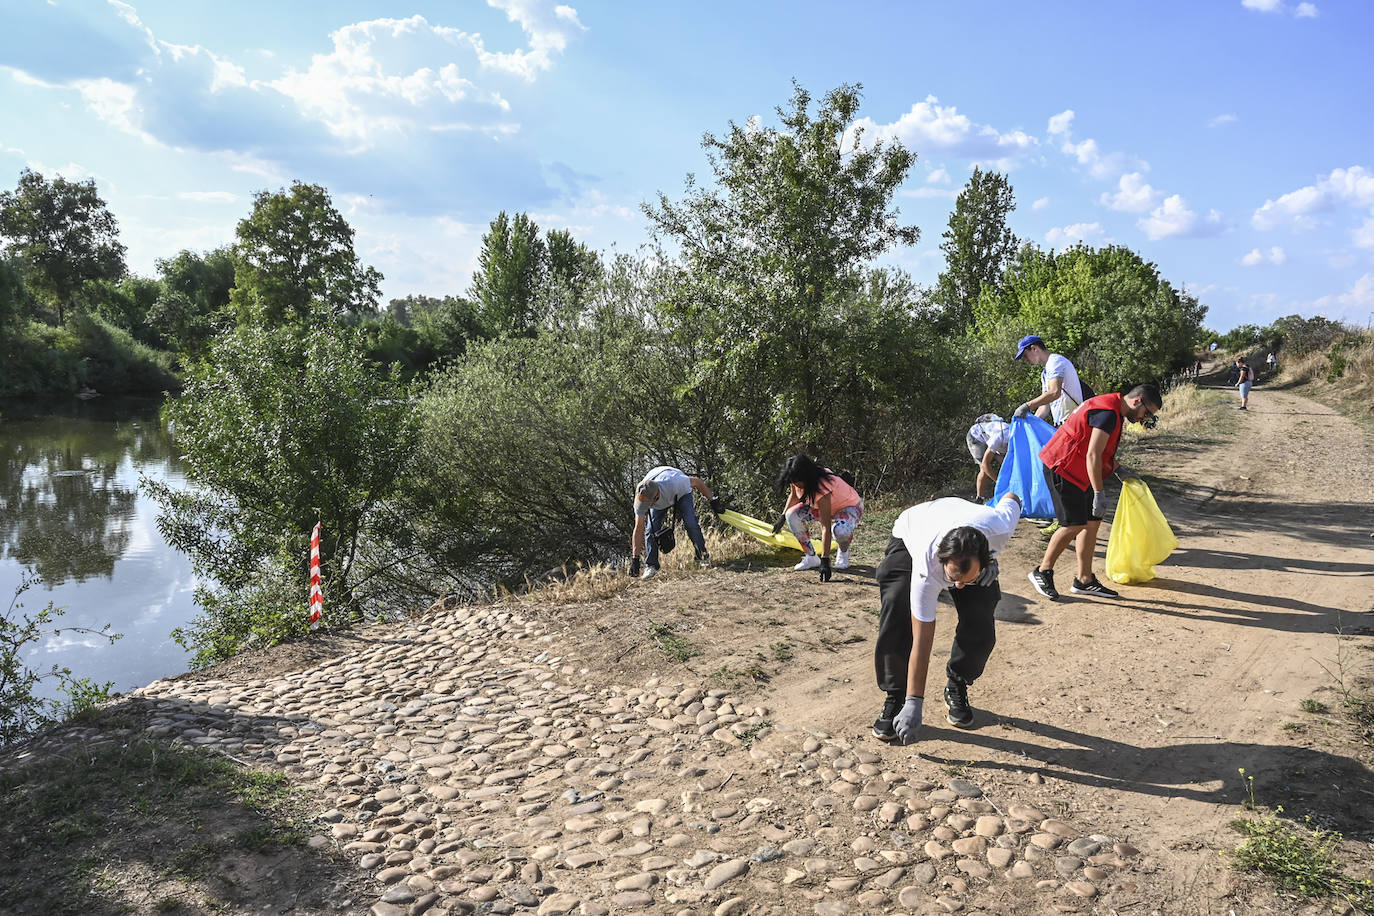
(950, 544)
(1234, 375)
(1245, 377)
(1061, 390)
(1077, 461)
(988, 440)
(661, 489)
(818, 494)
(1272, 361)
(1197, 369)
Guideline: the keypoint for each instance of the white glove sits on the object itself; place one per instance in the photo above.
(908, 722)
(1099, 503)
(1021, 411)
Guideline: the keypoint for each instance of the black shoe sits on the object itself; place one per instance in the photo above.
(960, 714)
(882, 727)
(1095, 588)
(1043, 580)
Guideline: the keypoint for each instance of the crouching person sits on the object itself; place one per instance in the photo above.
(943, 544)
(661, 489)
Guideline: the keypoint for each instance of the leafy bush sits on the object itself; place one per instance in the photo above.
(22, 712)
(281, 427)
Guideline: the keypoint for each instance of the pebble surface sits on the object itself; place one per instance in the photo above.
(465, 766)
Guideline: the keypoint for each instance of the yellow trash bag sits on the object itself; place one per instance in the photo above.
(759, 531)
(1141, 537)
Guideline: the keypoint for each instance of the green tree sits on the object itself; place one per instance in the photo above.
(510, 274)
(280, 428)
(62, 235)
(978, 244)
(1107, 309)
(772, 250)
(193, 303)
(295, 261)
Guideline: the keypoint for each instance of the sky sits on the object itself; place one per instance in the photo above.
(1228, 141)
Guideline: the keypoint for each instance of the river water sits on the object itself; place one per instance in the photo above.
(71, 514)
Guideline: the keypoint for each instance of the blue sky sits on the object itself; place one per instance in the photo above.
(1229, 141)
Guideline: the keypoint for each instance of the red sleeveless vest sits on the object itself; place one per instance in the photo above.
(1067, 451)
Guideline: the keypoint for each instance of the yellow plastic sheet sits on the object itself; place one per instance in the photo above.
(1141, 537)
(759, 531)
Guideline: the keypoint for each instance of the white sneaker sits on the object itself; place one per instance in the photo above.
(649, 572)
(808, 561)
(842, 560)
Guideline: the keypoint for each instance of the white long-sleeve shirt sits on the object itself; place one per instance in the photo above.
(922, 528)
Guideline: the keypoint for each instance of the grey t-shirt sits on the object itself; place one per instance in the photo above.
(672, 486)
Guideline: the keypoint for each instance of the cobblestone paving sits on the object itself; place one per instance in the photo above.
(467, 768)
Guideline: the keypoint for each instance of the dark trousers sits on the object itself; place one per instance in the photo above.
(974, 636)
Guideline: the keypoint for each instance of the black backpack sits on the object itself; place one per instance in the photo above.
(665, 538)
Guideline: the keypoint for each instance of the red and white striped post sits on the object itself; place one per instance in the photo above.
(316, 592)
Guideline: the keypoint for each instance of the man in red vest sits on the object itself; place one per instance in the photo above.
(1077, 461)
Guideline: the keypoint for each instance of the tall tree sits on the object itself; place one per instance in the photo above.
(295, 260)
(978, 244)
(510, 273)
(194, 299)
(62, 234)
(770, 253)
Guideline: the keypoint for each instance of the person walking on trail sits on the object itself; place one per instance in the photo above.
(1271, 361)
(1077, 461)
(952, 544)
(1061, 390)
(988, 440)
(661, 489)
(818, 494)
(1245, 377)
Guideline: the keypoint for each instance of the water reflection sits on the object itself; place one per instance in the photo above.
(71, 513)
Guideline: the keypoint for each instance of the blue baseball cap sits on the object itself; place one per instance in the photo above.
(1026, 342)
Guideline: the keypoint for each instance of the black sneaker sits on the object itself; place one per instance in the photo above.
(1095, 588)
(960, 714)
(1043, 580)
(882, 727)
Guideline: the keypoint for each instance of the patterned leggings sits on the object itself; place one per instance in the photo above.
(842, 524)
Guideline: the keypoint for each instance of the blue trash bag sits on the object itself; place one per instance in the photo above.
(1022, 473)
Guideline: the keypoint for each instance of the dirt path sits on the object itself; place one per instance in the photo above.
(1143, 711)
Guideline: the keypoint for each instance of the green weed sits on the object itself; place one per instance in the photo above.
(671, 643)
(1311, 705)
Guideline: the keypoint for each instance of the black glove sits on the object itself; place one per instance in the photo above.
(636, 565)
(825, 569)
(716, 505)
(782, 520)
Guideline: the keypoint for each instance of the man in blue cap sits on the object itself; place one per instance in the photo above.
(1061, 391)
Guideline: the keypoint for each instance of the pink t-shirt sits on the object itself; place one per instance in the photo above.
(842, 495)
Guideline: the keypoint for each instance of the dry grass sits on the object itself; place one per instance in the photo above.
(1184, 408)
(1342, 374)
(603, 580)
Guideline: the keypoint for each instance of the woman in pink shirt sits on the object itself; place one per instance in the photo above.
(816, 493)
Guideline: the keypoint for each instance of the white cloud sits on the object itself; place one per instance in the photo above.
(1356, 302)
(931, 193)
(1133, 195)
(209, 197)
(939, 176)
(1222, 119)
(1174, 218)
(1352, 186)
(1363, 237)
(1040, 203)
(1301, 11)
(1255, 257)
(932, 126)
(1088, 233)
(1088, 153)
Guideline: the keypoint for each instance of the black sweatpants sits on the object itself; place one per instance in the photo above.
(974, 636)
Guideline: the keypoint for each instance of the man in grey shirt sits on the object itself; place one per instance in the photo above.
(661, 489)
